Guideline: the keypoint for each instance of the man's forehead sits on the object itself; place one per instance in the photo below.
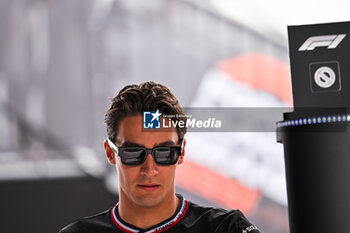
(131, 130)
(147, 140)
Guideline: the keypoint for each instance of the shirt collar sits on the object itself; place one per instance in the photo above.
(162, 226)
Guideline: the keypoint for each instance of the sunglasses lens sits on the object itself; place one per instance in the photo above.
(133, 156)
(166, 156)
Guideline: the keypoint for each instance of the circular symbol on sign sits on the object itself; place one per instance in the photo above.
(324, 77)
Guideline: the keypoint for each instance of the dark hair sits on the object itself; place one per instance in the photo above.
(135, 99)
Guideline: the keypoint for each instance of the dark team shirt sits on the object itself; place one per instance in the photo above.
(188, 217)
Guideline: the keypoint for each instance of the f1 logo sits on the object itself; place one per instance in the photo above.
(329, 41)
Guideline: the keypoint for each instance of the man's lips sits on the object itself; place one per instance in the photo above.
(148, 187)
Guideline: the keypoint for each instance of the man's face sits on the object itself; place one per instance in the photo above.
(147, 184)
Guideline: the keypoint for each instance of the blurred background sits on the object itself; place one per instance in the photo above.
(60, 61)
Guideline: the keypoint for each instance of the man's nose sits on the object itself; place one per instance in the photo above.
(149, 167)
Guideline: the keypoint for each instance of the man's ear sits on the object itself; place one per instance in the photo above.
(109, 153)
(181, 157)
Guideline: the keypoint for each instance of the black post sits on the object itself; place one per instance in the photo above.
(316, 134)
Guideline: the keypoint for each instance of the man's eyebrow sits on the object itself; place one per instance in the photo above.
(166, 143)
(128, 143)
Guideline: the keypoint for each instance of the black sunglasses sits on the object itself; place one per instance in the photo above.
(133, 156)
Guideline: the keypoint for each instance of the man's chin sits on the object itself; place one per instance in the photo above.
(148, 201)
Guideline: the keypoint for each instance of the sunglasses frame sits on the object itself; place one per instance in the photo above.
(116, 149)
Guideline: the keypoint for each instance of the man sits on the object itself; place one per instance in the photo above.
(146, 161)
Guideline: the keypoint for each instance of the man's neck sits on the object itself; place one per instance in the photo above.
(145, 217)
